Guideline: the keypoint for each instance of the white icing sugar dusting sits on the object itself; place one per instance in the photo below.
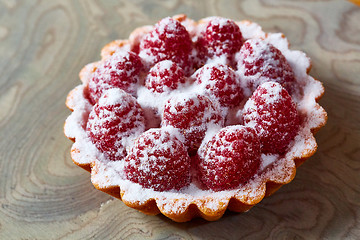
(165, 65)
(250, 30)
(109, 68)
(107, 173)
(114, 105)
(138, 34)
(113, 47)
(150, 100)
(167, 24)
(209, 82)
(159, 139)
(166, 28)
(278, 40)
(221, 22)
(190, 26)
(113, 96)
(210, 133)
(76, 122)
(267, 160)
(87, 72)
(273, 92)
(260, 60)
(165, 71)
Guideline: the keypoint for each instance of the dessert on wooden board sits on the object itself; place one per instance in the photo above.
(192, 118)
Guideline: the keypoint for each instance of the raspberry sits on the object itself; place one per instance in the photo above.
(164, 77)
(118, 71)
(158, 160)
(169, 40)
(220, 81)
(272, 113)
(261, 62)
(192, 115)
(230, 158)
(222, 36)
(113, 120)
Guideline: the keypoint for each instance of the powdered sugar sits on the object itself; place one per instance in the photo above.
(191, 114)
(267, 160)
(76, 122)
(258, 61)
(273, 167)
(165, 76)
(158, 160)
(168, 40)
(220, 82)
(120, 70)
(114, 122)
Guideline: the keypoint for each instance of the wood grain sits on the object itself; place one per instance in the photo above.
(43, 195)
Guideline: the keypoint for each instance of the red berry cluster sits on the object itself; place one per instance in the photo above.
(169, 40)
(220, 82)
(158, 160)
(198, 84)
(221, 38)
(164, 76)
(261, 62)
(116, 117)
(121, 70)
(230, 158)
(273, 114)
(192, 115)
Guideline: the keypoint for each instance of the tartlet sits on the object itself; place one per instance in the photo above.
(189, 119)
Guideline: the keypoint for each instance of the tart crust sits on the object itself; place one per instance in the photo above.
(181, 209)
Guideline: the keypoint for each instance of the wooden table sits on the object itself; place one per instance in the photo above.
(43, 195)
